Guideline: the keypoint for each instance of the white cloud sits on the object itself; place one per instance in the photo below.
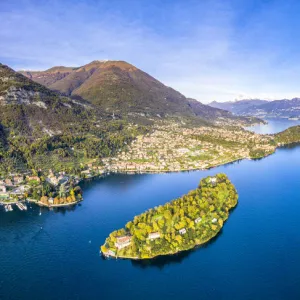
(208, 50)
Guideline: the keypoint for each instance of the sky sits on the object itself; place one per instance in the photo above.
(218, 50)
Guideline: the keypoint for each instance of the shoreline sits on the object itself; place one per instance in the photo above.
(38, 203)
(166, 254)
(114, 253)
(136, 172)
(57, 205)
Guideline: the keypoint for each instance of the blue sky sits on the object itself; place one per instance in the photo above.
(209, 50)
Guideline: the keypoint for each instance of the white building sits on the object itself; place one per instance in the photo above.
(214, 220)
(213, 180)
(154, 235)
(182, 231)
(198, 220)
(123, 241)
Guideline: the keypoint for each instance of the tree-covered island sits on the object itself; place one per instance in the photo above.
(179, 225)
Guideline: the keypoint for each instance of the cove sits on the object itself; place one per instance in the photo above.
(55, 255)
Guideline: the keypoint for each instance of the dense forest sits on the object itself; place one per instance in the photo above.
(41, 129)
(288, 136)
(178, 225)
(65, 151)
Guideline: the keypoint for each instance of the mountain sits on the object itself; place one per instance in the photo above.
(219, 115)
(238, 107)
(284, 108)
(120, 88)
(40, 128)
(31, 109)
(49, 76)
(116, 87)
(276, 109)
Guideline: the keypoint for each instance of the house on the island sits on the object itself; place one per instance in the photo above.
(182, 231)
(123, 241)
(153, 236)
(111, 253)
(214, 220)
(51, 201)
(3, 188)
(198, 220)
(213, 180)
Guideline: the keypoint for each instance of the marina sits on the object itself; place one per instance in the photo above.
(9, 207)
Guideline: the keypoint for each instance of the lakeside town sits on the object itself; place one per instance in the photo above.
(168, 148)
(172, 148)
(55, 190)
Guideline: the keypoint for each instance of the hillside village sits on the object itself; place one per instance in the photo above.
(175, 148)
(55, 190)
(168, 148)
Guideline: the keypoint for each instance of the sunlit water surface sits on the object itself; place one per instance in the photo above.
(55, 255)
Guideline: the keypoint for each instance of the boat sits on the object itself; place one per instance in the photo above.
(19, 205)
(8, 208)
(23, 205)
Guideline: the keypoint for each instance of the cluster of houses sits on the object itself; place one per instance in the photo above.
(16, 185)
(55, 180)
(95, 170)
(174, 148)
(13, 186)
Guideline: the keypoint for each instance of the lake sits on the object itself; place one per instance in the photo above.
(273, 126)
(55, 255)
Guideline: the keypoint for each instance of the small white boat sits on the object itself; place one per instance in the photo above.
(19, 205)
(23, 205)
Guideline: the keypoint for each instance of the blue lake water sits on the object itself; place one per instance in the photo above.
(273, 126)
(55, 255)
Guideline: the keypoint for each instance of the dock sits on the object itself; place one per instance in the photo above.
(8, 208)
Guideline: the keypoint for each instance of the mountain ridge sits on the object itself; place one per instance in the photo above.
(284, 108)
(118, 87)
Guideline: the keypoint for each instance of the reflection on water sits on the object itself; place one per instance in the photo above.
(256, 254)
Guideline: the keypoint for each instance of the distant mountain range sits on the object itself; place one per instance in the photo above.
(284, 108)
(237, 107)
(117, 87)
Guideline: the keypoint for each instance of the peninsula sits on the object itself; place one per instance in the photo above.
(179, 225)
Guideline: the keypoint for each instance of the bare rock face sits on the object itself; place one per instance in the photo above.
(18, 95)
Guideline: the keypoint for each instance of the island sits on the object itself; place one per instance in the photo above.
(179, 225)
